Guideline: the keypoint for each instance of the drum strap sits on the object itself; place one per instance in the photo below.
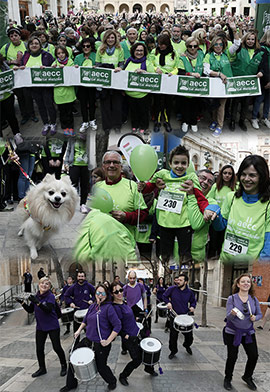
(98, 327)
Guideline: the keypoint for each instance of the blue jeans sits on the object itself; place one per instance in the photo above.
(265, 99)
(28, 163)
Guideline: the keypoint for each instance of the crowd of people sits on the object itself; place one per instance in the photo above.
(118, 309)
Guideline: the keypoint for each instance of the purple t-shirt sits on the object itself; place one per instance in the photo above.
(234, 301)
(80, 294)
(181, 300)
(46, 321)
(126, 316)
(105, 318)
(133, 294)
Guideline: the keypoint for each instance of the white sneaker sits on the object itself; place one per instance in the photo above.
(84, 127)
(194, 128)
(84, 209)
(93, 124)
(185, 127)
(255, 123)
(266, 122)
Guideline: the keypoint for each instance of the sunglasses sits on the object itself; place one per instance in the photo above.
(218, 44)
(118, 291)
(109, 162)
(192, 46)
(101, 293)
(86, 46)
(245, 308)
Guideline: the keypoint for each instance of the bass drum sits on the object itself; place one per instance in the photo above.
(183, 323)
(84, 364)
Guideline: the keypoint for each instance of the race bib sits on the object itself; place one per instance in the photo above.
(170, 201)
(143, 228)
(235, 245)
(56, 148)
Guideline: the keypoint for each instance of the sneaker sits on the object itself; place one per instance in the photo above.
(227, 384)
(188, 350)
(53, 129)
(18, 138)
(93, 124)
(84, 127)
(171, 355)
(67, 132)
(260, 327)
(184, 127)
(157, 126)
(194, 128)
(123, 381)
(39, 372)
(71, 132)
(167, 126)
(217, 132)
(249, 382)
(213, 126)
(5, 208)
(266, 122)
(46, 129)
(255, 123)
(84, 209)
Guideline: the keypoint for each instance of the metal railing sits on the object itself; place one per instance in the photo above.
(7, 297)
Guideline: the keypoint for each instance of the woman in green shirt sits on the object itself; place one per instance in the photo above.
(138, 101)
(191, 64)
(110, 55)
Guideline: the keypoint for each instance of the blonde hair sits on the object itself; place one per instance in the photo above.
(104, 45)
(245, 38)
(265, 40)
(191, 39)
(214, 41)
(45, 278)
(198, 34)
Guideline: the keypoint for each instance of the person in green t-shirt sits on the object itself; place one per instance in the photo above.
(171, 210)
(138, 101)
(132, 36)
(226, 182)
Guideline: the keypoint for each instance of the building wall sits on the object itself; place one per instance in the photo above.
(263, 291)
(216, 7)
(127, 6)
(34, 8)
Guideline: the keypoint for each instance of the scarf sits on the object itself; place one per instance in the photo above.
(191, 56)
(110, 51)
(173, 175)
(36, 54)
(141, 61)
(64, 62)
(163, 54)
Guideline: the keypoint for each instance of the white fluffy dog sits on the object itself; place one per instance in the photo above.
(46, 208)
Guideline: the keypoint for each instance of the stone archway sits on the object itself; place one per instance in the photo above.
(74, 268)
(109, 9)
(150, 8)
(123, 8)
(137, 8)
(164, 8)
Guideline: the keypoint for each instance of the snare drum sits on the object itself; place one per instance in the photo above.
(84, 364)
(79, 315)
(67, 315)
(162, 309)
(183, 323)
(151, 349)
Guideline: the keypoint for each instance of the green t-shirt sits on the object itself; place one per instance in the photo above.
(64, 94)
(34, 61)
(132, 67)
(101, 237)
(219, 196)
(115, 58)
(246, 228)
(80, 154)
(171, 64)
(12, 51)
(168, 218)
(55, 146)
(142, 235)
(125, 197)
(180, 47)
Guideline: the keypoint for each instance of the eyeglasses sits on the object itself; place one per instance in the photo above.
(210, 182)
(217, 44)
(118, 291)
(86, 46)
(192, 46)
(101, 293)
(109, 162)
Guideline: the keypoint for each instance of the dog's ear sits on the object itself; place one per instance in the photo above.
(66, 179)
(48, 177)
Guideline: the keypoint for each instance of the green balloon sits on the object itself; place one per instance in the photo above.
(191, 168)
(101, 200)
(143, 161)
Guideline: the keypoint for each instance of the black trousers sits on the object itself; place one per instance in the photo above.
(111, 108)
(87, 98)
(80, 174)
(25, 101)
(43, 97)
(101, 357)
(189, 108)
(7, 112)
(139, 112)
(66, 116)
(167, 236)
(132, 344)
(51, 170)
(174, 337)
(232, 354)
(215, 243)
(41, 337)
(244, 102)
(162, 106)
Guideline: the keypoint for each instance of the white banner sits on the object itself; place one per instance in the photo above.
(131, 81)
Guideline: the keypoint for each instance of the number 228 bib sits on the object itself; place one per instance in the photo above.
(170, 201)
(235, 245)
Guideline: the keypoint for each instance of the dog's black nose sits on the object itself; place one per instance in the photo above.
(57, 199)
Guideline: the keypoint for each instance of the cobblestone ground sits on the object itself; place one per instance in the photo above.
(201, 372)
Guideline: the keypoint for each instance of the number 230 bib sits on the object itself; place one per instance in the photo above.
(170, 201)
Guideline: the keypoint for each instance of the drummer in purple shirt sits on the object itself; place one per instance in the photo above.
(79, 295)
(43, 304)
(102, 326)
(62, 299)
(241, 331)
(135, 295)
(129, 333)
(182, 300)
